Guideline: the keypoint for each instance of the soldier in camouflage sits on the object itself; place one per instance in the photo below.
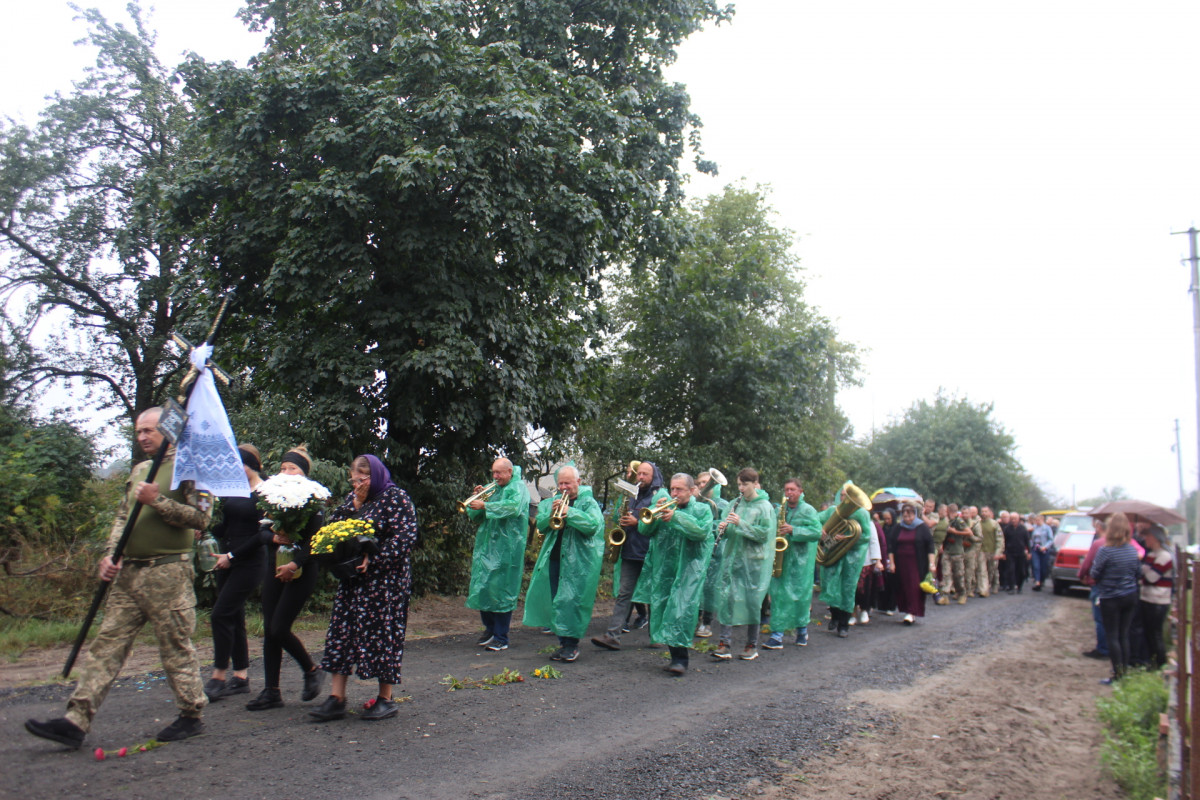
(152, 583)
(950, 533)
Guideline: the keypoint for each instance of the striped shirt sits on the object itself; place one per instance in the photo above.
(1158, 577)
(1117, 571)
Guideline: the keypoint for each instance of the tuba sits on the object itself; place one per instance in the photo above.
(781, 543)
(840, 533)
(482, 494)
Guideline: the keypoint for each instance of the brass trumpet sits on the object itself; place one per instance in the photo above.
(482, 494)
(648, 515)
(558, 514)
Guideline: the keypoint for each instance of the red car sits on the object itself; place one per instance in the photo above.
(1074, 539)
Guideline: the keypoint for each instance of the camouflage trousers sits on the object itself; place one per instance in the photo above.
(993, 574)
(973, 562)
(161, 595)
(953, 575)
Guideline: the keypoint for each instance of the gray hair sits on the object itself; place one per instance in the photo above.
(688, 480)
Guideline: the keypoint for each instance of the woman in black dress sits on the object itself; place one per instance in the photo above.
(238, 571)
(370, 611)
(285, 590)
(911, 556)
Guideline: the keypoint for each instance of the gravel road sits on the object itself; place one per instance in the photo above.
(614, 726)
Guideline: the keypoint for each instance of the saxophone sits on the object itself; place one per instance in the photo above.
(781, 542)
(840, 533)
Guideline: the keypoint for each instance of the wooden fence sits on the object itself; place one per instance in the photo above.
(1183, 705)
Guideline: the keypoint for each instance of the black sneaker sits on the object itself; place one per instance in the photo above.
(496, 647)
(640, 622)
(484, 640)
(235, 685)
(312, 684)
(182, 728)
(60, 730)
(333, 708)
(213, 688)
(267, 698)
(380, 709)
(569, 654)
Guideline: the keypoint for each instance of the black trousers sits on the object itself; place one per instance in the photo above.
(234, 587)
(282, 603)
(1153, 616)
(1018, 566)
(1116, 613)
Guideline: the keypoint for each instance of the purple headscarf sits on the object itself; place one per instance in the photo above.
(381, 479)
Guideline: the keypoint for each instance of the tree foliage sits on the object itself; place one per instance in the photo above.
(721, 362)
(950, 450)
(417, 202)
(97, 277)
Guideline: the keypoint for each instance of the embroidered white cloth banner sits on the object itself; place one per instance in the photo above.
(207, 452)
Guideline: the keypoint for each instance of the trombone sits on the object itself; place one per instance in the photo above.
(558, 513)
(648, 515)
(482, 494)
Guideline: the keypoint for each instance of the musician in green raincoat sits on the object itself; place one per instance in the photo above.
(748, 531)
(562, 590)
(791, 592)
(672, 580)
(499, 558)
(709, 492)
(839, 580)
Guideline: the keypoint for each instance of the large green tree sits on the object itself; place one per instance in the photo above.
(96, 276)
(952, 450)
(722, 362)
(417, 202)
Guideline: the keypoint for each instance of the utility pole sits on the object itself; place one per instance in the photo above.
(1179, 461)
(1194, 289)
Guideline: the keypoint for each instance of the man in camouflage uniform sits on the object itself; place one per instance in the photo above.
(991, 546)
(152, 583)
(972, 560)
(950, 533)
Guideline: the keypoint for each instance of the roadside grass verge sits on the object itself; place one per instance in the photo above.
(1130, 719)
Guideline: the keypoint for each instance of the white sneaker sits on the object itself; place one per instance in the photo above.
(889, 613)
(703, 632)
(853, 620)
(863, 618)
(908, 619)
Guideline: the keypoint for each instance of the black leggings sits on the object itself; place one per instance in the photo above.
(1153, 617)
(1116, 613)
(234, 586)
(281, 604)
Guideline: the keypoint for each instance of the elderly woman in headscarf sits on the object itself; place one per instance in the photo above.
(370, 611)
(911, 556)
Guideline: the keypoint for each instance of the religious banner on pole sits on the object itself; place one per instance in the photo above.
(207, 452)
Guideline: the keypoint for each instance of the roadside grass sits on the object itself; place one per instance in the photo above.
(20, 635)
(1130, 719)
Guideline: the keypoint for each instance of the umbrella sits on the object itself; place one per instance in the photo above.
(1139, 511)
(891, 497)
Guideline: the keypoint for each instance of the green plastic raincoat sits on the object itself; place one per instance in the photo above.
(712, 581)
(791, 592)
(498, 563)
(839, 581)
(569, 611)
(746, 561)
(672, 579)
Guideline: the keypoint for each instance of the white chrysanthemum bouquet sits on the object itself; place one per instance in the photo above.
(290, 502)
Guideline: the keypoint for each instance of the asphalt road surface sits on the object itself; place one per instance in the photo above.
(614, 726)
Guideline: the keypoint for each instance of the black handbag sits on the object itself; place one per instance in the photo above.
(348, 554)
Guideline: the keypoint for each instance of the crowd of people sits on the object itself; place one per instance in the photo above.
(687, 564)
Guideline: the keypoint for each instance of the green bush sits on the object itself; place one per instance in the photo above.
(1130, 720)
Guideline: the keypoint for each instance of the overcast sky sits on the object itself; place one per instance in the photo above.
(983, 196)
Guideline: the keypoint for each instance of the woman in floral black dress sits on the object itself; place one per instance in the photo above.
(370, 612)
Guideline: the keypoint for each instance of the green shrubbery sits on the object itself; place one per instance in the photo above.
(1130, 720)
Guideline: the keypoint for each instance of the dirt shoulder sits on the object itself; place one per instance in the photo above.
(1015, 721)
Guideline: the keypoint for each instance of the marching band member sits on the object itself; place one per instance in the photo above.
(562, 590)
(673, 578)
(791, 592)
(748, 534)
(633, 557)
(708, 490)
(840, 579)
(499, 558)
